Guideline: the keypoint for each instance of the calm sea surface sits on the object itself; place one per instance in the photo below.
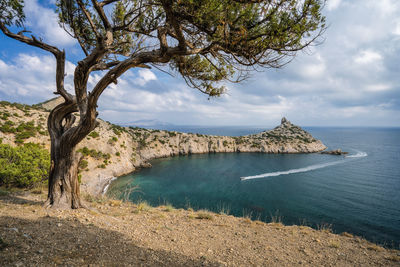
(359, 194)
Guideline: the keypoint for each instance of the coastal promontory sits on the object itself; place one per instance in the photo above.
(111, 150)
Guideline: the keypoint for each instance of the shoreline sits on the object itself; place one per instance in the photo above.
(107, 182)
(112, 151)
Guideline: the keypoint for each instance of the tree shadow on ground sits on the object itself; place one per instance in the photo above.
(54, 241)
(17, 198)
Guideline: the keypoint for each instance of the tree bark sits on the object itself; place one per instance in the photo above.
(64, 189)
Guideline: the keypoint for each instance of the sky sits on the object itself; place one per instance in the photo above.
(351, 79)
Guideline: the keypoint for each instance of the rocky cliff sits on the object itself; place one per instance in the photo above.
(111, 150)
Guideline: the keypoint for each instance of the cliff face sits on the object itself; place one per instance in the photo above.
(112, 151)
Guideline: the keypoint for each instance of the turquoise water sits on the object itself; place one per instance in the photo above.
(357, 194)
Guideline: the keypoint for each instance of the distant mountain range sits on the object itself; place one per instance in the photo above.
(147, 123)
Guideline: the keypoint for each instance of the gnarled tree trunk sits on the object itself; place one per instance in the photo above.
(63, 182)
(64, 190)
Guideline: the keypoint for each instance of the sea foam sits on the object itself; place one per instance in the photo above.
(305, 169)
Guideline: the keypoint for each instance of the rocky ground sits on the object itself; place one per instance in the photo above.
(113, 233)
(111, 150)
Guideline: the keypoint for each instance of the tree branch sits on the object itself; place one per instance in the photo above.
(176, 26)
(89, 18)
(106, 2)
(102, 14)
(59, 55)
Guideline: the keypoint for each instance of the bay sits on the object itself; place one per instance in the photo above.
(358, 194)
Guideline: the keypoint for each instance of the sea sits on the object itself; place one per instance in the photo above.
(358, 193)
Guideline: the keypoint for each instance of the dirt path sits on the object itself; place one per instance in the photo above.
(112, 233)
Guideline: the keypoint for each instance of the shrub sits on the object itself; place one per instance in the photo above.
(24, 166)
(143, 206)
(94, 134)
(204, 215)
(7, 127)
(168, 208)
(172, 134)
(83, 164)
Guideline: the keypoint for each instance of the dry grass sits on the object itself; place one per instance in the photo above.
(375, 247)
(142, 206)
(325, 227)
(204, 215)
(334, 244)
(276, 218)
(224, 209)
(95, 199)
(115, 203)
(39, 189)
(168, 208)
(394, 258)
(347, 234)
(247, 214)
(224, 240)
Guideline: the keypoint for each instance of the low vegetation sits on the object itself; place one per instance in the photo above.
(24, 166)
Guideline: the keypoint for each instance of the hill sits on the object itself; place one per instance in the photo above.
(111, 150)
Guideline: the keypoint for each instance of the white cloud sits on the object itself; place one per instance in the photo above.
(313, 69)
(333, 4)
(145, 76)
(386, 7)
(367, 57)
(396, 28)
(44, 21)
(351, 79)
(378, 87)
(31, 77)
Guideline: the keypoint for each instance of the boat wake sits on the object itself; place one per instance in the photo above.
(359, 154)
(305, 169)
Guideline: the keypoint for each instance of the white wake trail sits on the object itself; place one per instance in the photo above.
(305, 169)
(359, 154)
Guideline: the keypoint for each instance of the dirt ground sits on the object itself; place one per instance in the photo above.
(112, 233)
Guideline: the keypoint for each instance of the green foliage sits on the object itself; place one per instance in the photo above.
(22, 107)
(23, 131)
(23, 166)
(117, 129)
(101, 166)
(94, 134)
(142, 142)
(4, 115)
(239, 140)
(94, 153)
(256, 145)
(7, 127)
(83, 164)
(208, 41)
(172, 134)
(11, 12)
